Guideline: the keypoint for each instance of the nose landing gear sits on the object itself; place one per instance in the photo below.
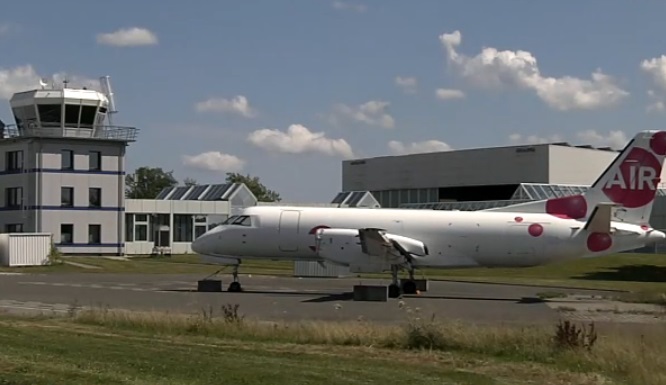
(235, 286)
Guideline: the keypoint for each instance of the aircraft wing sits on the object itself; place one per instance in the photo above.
(376, 242)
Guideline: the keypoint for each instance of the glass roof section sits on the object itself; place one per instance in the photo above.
(462, 206)
(355, 199)
(526, 192)
(206, 192)
(541, 191)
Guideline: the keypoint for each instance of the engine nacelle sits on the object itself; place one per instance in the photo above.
(343, 246)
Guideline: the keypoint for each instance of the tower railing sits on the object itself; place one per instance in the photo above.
(101, 132)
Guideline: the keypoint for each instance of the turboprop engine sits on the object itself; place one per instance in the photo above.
(343, 246)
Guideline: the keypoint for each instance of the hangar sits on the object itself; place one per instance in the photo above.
(481, 178)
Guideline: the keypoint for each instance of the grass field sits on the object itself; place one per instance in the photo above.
(642, 274)
(104, 347)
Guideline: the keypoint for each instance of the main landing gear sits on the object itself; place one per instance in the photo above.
(398, 287)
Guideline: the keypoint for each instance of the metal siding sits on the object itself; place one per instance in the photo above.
(572, 165)
(25, 249)
(314, 269)
(454, 168)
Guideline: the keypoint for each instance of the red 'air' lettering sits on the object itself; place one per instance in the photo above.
(634, 183)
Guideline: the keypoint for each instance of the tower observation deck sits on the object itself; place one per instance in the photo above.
(56, 110)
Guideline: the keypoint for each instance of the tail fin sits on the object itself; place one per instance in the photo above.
(630, 182)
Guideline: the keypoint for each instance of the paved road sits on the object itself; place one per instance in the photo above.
(273, 298)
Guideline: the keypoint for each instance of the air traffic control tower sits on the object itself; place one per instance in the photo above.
(62, 168)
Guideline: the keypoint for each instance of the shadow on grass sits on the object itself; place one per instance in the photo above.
(628, 273)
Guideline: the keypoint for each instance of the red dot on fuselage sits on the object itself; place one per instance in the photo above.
(574, 207)
(599, 241)
(535, 229)
(658, 143)
(518, 219)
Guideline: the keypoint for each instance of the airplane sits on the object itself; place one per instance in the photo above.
(610, 217)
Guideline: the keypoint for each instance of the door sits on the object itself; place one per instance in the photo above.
(288, 230)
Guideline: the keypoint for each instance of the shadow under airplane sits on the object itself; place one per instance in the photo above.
(628, 273)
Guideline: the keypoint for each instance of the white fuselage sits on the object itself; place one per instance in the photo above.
(453, 238)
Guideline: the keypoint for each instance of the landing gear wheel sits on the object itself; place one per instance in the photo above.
(409, 287)
(394, 291)
(235, 287)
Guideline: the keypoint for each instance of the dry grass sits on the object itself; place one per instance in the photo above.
(639, 358)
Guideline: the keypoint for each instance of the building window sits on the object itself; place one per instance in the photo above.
(14, 161)
(95, 160)
(129, 227)
(95, 234)
(95, 197)
(13, 197)
(66, 233)
(141, 232)
(67, 162)
(67, 196)
(182, 228)
(199, 226)
(14, 228)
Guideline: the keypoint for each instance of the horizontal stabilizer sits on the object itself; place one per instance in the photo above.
(600, 219)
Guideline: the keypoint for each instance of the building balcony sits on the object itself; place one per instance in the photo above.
(101, 132)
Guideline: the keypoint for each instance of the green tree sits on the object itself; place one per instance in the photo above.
(147, 182)
(260, 191)
(189, 182)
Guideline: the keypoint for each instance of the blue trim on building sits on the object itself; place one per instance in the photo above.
(61, 208)
(90, 244)
(62, 171)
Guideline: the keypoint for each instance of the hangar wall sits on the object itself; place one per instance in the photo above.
(474, 174)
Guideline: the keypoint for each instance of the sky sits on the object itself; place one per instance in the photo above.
(286, 90)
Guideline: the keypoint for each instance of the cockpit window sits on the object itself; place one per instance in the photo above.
(230, 220)
(243, 220)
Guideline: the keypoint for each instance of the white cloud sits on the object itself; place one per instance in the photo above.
(408, 84)
(494, 68)
(519, 139)
(657, 104)
(614, 139)
(5, 28)
(399, 148)
(238, 105)
(128, 37)
(347, 6)
(449, 94)
(25, 78)
(656, 69)
(214, 161)
(373, 113)
(299, 139)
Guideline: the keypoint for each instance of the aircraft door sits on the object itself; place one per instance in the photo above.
(289, 229)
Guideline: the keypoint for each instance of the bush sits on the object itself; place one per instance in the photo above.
(570, 336)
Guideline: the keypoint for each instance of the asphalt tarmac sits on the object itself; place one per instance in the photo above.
(276, 298)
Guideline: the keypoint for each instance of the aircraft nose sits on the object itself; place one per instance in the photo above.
(204, 244)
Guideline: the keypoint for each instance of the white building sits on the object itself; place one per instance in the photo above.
(62, 171)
